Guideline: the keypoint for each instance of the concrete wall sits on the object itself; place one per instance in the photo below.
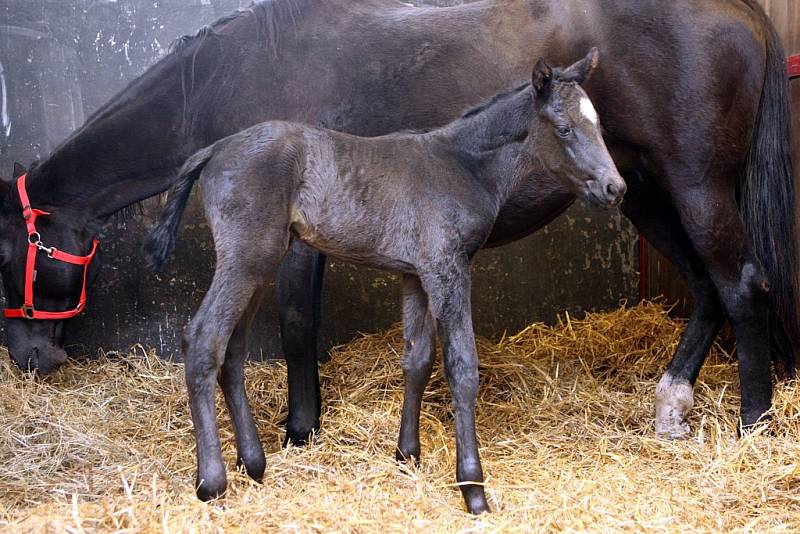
(63, 58)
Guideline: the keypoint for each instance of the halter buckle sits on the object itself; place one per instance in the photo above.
(49, 250)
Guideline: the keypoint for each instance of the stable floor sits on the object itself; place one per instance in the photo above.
(565, 421)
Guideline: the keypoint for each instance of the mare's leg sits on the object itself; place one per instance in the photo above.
(298, 285)
(449, 301)
(711, 218)
(243, 266)
(250, 453)
(419, 350)
(650, 210)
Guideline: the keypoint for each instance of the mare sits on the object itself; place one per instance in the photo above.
(421, 204)
(692, 94)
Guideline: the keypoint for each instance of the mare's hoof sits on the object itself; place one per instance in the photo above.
(475, 498)
(749, 423)
(207, 491)
(409, 457)
(672, 430)
(674, 399)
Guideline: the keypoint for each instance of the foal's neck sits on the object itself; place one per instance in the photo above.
(490, 138)
(503, 119)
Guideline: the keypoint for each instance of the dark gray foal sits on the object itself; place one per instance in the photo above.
(418, 203)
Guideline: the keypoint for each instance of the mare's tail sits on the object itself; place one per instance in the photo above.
(159, 242)
(767, 201)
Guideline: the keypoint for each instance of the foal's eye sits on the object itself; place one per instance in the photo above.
(564, 131)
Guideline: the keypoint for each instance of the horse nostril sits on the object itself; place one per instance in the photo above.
(612, 190)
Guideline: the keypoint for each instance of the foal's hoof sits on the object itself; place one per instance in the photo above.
(408, 457)
(207, 491)
(475, 498)
(254, 466)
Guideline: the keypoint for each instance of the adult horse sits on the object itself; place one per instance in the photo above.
(692, 95)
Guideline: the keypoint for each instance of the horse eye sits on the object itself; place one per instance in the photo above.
(564, 131)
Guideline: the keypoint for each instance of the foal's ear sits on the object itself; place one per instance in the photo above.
(582, 70)
(19, 170)
(541, 78)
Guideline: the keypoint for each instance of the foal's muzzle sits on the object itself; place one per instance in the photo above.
(606, 192)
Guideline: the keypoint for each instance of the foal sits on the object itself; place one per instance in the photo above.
(418, 203)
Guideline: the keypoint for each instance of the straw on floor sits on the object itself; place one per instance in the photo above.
(565, 422)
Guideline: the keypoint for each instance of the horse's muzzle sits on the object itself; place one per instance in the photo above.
(606, 193)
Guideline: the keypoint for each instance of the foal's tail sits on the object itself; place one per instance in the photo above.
(767, 202)
(159, 242)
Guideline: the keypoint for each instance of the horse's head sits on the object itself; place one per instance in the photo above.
(42, 291)
(566, 136)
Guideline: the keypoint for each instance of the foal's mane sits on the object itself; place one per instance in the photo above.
(558, 77)
(496, 99)
(503, 118)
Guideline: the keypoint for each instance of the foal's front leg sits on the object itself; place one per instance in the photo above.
(419, 331)
(449, 301)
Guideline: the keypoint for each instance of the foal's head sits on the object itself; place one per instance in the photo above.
(566, 136)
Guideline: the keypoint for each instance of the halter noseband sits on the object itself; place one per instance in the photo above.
(27, 311)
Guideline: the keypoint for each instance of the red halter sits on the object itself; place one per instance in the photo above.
(35, 244)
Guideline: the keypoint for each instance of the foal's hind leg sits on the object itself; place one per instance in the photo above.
(250, 453)
(654, 216)
(242, 266)
(449, 301)
(419, 331)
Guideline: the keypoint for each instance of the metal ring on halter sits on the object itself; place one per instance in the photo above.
(27, 312)
(34, 240)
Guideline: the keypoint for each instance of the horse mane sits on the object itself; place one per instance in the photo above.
(504, 117)
(496, 99)
(471, 112)
(268, 18)
(213, 52)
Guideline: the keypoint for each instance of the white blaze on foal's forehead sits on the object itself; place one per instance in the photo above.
(588, 110)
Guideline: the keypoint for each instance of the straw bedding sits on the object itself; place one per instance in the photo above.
(565, 422)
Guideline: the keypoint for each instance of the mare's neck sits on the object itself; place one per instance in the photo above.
(127, 151)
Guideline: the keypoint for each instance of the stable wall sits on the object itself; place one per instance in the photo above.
(63, 58)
